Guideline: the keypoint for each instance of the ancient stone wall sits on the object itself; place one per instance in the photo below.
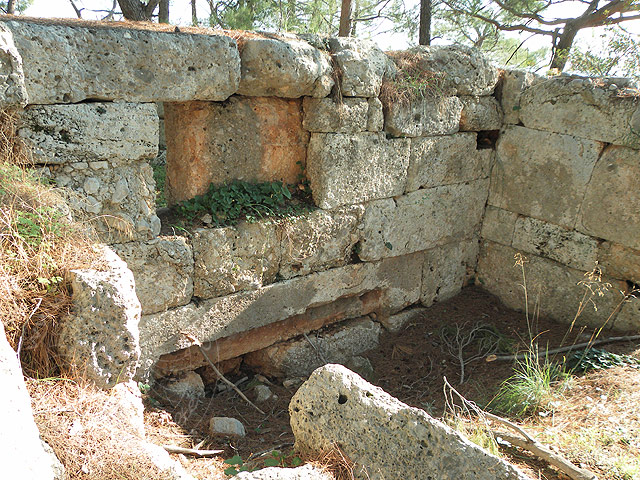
(401, 189)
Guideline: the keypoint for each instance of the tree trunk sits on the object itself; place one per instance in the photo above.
(137, 11)
(194, 14)
(563, 46)
(163, 11)
(345, 19)
(424, 36)
(11, 7)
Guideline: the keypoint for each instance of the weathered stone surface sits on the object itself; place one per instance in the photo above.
(284, 67)
(447, 269)
(346, 169)
(480, 113)
(12, 90)
(619, 261)
(23, 453)
(305, 472)
(71, 63)
(232, 259)
(465, 70)
(263, 393)
(319, 240)
(556, 289)
(531, 165)
(397, 322)
(299, 357)
(544, 239)
(602, 110)
(422, 117)
(445, 160)
(498, 225)
(628, 320)
(350, 115)
(512, 84)
(246, 138)
(383, 436)
(118, 197)
(422, 219)
(185, 387)
(90, 132)
(163, 271)
(362, 66)
(375, 119)
(101, 336)
(397, 279)
(611, 206)
(226, 426)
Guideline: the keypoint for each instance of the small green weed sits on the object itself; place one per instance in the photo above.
(237, 465)
(598, 359)
(160, 177)
(239, 200)
(275, 459)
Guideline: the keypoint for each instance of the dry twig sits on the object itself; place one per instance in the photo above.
(191, 451)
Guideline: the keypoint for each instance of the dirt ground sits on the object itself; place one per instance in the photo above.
(411, 365)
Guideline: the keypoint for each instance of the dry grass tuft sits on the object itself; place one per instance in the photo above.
(39, 244)
(411, 82)
(332, 460)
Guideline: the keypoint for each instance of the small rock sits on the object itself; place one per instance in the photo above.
(207, 218)
(305, 472)
(291, 383)
(226, 426)
(187, 385)
(263, 393)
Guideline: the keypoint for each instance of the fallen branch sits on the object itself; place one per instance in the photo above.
(522, 356)
(192, 451)
(196, 342)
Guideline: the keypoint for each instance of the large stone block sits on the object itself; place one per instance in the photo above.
(611, 206)
(425, 116)
(398, 280)
(346, 169)
(480, 113)
(603, 110)
(498, 225)
(72, 63)
(233, 259)
(362, 66)
(12, 90)
(300, 357)
(383, 436)
(247, 138)
(556, 290)
(531, 165)
(464, 70)
(23, 452)
(163, 271)
(100, 338)
(350, 115)
(319, 241)
(284, 67)
(444, 160)
(509, 90)
(619, 261)
(90, 132)
(628, 320)
(447, 269)
(568, 247)
(117, 197)
(422, 219)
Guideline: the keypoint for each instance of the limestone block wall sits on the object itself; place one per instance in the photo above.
(565, 191)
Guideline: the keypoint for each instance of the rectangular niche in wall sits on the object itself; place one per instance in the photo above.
(256, 139)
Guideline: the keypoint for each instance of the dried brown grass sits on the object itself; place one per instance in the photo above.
(332, 460)
(39, 244)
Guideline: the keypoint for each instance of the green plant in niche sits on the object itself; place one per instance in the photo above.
(160, 177)
(229, 203)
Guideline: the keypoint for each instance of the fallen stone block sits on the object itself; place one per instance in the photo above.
(480, 113)
(301, 356)
(284, 67)
(101, 337)
(424, 117)
(72, 63)
(383, 436)
(610, 206)
(246, 138)
(606, 110)
(444, 160)
(305, 472)
(529, 166)
(422, 219)
(226, 426)
(90, 132)
(163, 271)
(346, 169)
(23, 452)
(12, 89)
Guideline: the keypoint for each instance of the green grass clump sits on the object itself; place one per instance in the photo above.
(160, 177)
